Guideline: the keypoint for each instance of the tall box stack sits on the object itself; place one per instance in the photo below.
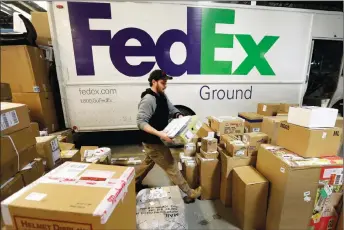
(253, 121)
(24, 69)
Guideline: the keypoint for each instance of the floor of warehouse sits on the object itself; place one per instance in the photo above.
(203, 214)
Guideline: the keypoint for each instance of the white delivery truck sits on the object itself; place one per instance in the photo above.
(225, 58)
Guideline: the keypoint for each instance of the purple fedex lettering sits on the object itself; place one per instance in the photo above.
(84, 39)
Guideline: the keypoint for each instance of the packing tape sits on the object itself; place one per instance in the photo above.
(15, 148)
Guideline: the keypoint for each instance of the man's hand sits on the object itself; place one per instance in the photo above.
(180, 116)
(164, 136)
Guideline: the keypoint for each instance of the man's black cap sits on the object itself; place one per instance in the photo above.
(158, 75)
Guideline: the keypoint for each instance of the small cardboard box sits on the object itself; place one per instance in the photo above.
(228, 137)
(66, 146)
(268, 109)
(41, 23)
(309, 142)
(204, 131)
(14, 117)
(250, 198)
(209, 144)
(253, 121)
(313, 117)
(191, 173)
(210, 155)
(270, 127)
(32, 171)
(236, 148)
(64, 135)
(339, 122)
(11, 186)
(6, 93)
(284, 107)
(190, 149)
(81, 196)
(228, 163)
(294, 182)
(71, 155)
(209, 177)
(253, 142)
(48, 149)
(227, 125)
(86, 148)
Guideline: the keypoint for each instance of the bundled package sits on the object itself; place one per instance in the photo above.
(182, 130)
(99, 155)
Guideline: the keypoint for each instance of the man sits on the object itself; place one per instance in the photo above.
(152, 118)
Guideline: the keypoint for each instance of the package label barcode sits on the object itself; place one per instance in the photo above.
(9, 119)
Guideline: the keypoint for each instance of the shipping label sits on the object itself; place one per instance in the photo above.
(9, 119)
(29, 223)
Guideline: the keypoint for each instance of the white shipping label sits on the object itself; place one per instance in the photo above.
(70, 171)
(240, 153)
(256, 129)
(35, 196)
(264, 108)
(70, 153)
(282, 170)
(36, 89)
(324, 135)
(56, 155)
(54, 144)
(9, 119)
(328, 189)
(99, 174)
(329, 171)
(211, 135)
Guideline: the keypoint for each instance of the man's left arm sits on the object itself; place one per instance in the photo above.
(173, 110)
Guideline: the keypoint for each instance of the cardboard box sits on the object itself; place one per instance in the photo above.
(14, 117)
(84, 149)
(284, 107)
(41, 23)
(6, 93)
(340, 221)
(35, 129)
(210, 155)
(309, 142)
(209, 177)
(64, 136)
(198, 147)
(294, 182)
(227, 125)
(227, 138)
(32, 171)
(70, 155)
(66, 146)
(42, 108)
(236, 148)
(253, 121)
(11, 186)
(250, 198)
(228, 163)
(190, 149)
(204, 131)
(339, 122)
(32, 74)
(270, 126)
(126, 161)
(209, 144)
(313, 117)
(268, 109)
(82, 196)
(160, 208)
(191, 173)
(253, 142)
(48, 149)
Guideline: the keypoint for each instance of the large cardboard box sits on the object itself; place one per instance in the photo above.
(13, 185)
(253, 141)
(48, 149)
(41, 23)
(253, 121)
(268, 109)
(6, 93)
(191, 173)
(14, 117)
(32, 171)
(228, 163)
(80, 196)
(209, 177)
(309, 142)
(227, 125)
(204, 131)
(284, 107)
(313, 117)
(294, 182)
(250, 198)
(24, 68)
(42, 108)
(270, 126)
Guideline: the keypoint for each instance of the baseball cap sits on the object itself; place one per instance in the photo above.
(158, 74)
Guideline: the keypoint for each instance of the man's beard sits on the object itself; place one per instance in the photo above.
(160, 90)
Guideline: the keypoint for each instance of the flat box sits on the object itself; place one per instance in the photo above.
(253, 142)
(32, 171)
(209, 177)
(209, 144)
(228, 163)
(313, 117)
(70, 155)
(13, 185)
(309, 142)
(270, 126)
(48, 149)
(253, 121)
(236, 148)
(6, 93)
(41, 23)
(24, 68)
(268, 109)
(81, 196)
(14, 117)
(227, 125)
(294, 182)
(66, 146)
(284, 107)
(191, 173)
(204, 131)
(42, 108)
(210, 155)
(250, 198)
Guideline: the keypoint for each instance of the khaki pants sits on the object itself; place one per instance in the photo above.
(161, 155)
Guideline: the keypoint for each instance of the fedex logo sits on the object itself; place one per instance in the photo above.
(200, 41)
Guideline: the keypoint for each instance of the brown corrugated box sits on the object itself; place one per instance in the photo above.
(24, 68)
(14, 117)
(227, 125)
(64, 135)
(209, 155)
(250, 198)
(228, 163)
(340, 220)
(41, 23)
(65, 146)
(11, 186)
(32, 171)
(209, 177)
(253, 141)
(284, 107)
(293, 185)
(270, 126)
(6, 93)
(48, 149)
(85, 148)
(70, 155)
(236, 148)
(339, 122)
(92, 197)
(309, 142)
(253, 121)
(42, 108)
(191, 173)
(268, 109)
(204, 131)
(209, 144)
